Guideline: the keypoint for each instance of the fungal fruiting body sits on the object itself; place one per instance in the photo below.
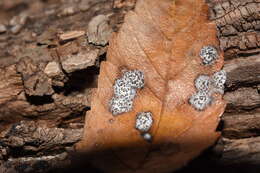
(121, 88)
(135, 78)
(200, 100)
(202, 83)
(208, 55)
(144, 121)
(125, 91)
(218, 80)
(147, 137)
(143, 124)
(120, 105)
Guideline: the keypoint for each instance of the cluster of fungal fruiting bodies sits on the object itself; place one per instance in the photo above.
(207, 85)
(125, 91)
(144, 122)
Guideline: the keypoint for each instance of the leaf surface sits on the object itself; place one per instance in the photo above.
(163, 39)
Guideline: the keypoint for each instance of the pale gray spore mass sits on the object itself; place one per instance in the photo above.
(206, 86)
(218, 80)
(202, 83)
(200, 100)
(208, 55)
(144, 121)
(135, 78)
(120, 105)
(147, 137)
(125, 91)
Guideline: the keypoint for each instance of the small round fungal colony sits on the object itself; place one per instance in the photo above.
(200, 100)
(218, 80)
(202, 83)
(208, 54)
(147, 137)
(135, 78)
(144, 121)
(120, 105)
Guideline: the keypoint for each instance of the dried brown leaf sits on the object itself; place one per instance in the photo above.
(163, 39)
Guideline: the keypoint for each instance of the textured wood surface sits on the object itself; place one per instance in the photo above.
(56, 100)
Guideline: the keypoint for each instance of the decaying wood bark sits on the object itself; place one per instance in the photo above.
(49, 62)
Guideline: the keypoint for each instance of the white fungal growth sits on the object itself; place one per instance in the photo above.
(206, 86)
(208, 55)
(144, 121)
(147, 137)
(120, 105)
(135, 78)
(125, 91)
(202, 83)
(200, 100)
(218, 80)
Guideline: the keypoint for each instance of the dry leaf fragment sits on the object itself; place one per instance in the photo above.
(172, 43)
